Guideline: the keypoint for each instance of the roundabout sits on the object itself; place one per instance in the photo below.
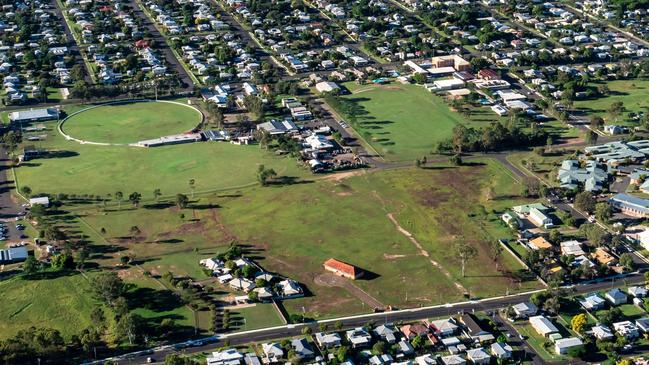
(124, 123)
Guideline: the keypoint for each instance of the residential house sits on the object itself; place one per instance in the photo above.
(405, 347)
(540, 219)
(626, 329)
(273, 352)
(501, 350)
(602, 332)
(426, 359)
(643, 324)
(444, 327)
(616, 296)
(226, 357)
(327, 340)
(525, 309)
(571, 248)
(358, 337)
(637, 291)
(539, 243)
(453, 360)
(386, 332)
(474, 329)
(478, 356)
(592, 302)
(543, 326)
(411, 331)
(302, 348)
(563, 345)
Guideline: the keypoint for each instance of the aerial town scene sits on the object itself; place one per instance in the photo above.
(324, 182)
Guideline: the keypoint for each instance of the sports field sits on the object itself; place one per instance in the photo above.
(131, 122)
(404, 122)
(633, 93)
(74, 168)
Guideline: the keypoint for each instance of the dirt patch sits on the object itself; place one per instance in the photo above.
(392, 257)
(328, 279)
(340, 176)
(432, 197)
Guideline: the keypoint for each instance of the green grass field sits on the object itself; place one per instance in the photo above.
(131, 122)
(285, 230)
(404, 122)
(633, 93)
(63, 303)
(100, 170)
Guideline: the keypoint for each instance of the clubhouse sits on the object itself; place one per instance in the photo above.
(34, 115)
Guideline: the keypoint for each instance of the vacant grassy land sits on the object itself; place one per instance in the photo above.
(79, 169)
(633, 93)
(63, 303)
(440, 206)
(131, 122)
(404, 122)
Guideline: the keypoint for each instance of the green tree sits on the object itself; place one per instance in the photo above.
(31, 265)
(107, 286)
(585, 201)
(603, 212)
(26, 190)
(119, 196)
(135, 198)
(465, 253)
(182, 201)
(626, 260)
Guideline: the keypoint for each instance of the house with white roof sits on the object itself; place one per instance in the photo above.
(358, 337)
(543, 326)
(626, 329)
(563, 345)
(273, 352)
(386, 332)
(478, 356)
(453, 360)
(592, 302)
(226, 357)
(501, 350)
(328, 340)
(525, 309)
(602, 332)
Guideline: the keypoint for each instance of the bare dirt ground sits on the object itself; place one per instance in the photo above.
(328, 279)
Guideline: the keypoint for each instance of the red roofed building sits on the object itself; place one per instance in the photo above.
(488, 74)
(343, 269)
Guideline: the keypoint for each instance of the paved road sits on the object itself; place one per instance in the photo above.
(161, 46)
(71, 43)
(355, 321)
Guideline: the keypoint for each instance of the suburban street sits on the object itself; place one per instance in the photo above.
(405, 315)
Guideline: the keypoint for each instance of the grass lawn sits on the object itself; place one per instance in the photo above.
(101, 170)
(536, 341)
(63, 303)
(257, 316)
(632, 311)
(404, 122)
(633, 93)
(131, 122)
